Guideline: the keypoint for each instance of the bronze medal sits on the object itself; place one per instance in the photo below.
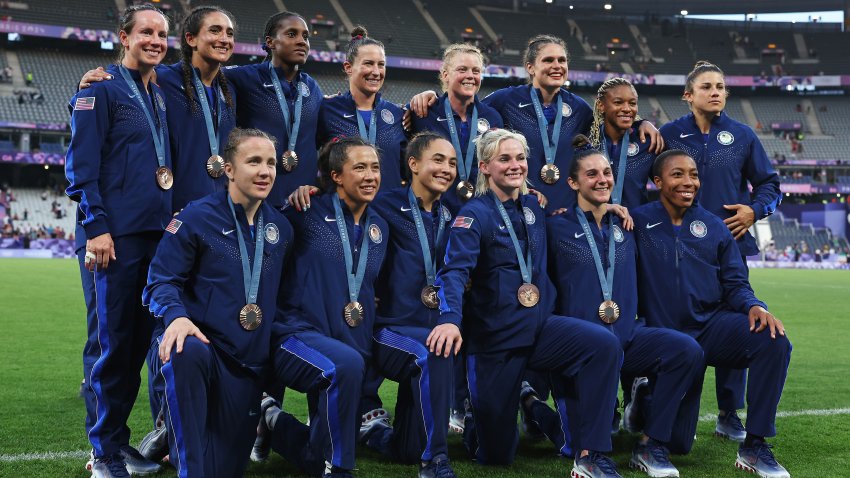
(464, 190)
(250, 317)
(164, 178)
(609, 311)
(429, 297)
(289, 161)
(528, 295)
(353, 313)
(215, 166)
(550, 174)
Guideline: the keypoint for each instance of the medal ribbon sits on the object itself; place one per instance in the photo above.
(524, 266)
(464, 161)
(355, 280)
(158, 139)
(550, 147)
(250, 277)
(430, 264)
(620, 180)
(201, 93)
(294, 124)
(606, 282)
(371, 133)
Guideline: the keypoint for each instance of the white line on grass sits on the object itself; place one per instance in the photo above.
(64, 455)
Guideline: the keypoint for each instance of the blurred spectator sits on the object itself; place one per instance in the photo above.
(29, 78)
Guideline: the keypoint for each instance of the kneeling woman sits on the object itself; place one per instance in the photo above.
(498, 241)
(216, 341)
(408, 311)
(593, 265)
(326, 313)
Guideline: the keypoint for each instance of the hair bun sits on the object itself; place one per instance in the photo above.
(581, 141)
(358, 32)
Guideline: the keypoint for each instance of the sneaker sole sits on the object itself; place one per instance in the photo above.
(749, 469)
(455, 429)
(577, 474)
(729, 437)
(637, 465)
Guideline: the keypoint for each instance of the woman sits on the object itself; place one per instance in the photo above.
(729, 155)
(544, 112)
(614, 113)
(408, 311)
(326, 312)
(275, 96)
(498, 241)
(460, 77)
(361, 111)
(215, 348)
(592, 264)
(119, 169)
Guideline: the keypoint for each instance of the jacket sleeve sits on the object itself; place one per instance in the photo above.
(765, 180)
(89, 127)
(462, 253)
(169, 270)
(737, 292)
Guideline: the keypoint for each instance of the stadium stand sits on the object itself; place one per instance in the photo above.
(97, 14)
(790, 232)
(249, 21)
(402, 29)
(41, 212)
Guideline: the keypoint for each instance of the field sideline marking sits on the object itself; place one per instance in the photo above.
(62, 455)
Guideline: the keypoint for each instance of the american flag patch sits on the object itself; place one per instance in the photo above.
(86, 103)
(464, 222)
(173, 226)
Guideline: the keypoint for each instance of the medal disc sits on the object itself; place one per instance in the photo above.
(429, 297)
(464, 190)
(289, 161)
(250, 317)
(550, 174)
(609, 311)
(528, 295)
(164, 178)
(353, 314)
(215, 166)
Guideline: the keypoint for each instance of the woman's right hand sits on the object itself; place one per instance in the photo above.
(103, 250)
(93, 76)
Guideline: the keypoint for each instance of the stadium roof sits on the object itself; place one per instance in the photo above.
(673, 7)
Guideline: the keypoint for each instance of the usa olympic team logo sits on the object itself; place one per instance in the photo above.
(618, 234)
(272, 233)
(566, 110)
(305, 90)
(387, 116)
(483, 125)
(633, 149)
(529, 216)
(725, 138)
(375, 234)
(447, 216)
(699, 229)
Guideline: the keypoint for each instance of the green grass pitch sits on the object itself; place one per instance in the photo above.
(42, 332)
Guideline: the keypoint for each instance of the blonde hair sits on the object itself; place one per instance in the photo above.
(449, 55)
(488, 146)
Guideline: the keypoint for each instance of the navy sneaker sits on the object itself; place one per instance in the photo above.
(594, 465)
(759, 459)
(136, 463)
(377, 419)
(262, 444)
(334, 472)
(438, 467)
(531, 429)
(653, 458)
(729, 426)
(632, 414)
(109, 467)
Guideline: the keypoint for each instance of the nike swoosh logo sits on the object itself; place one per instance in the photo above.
(252, 413)
(329, 219)
(442, 119)
(348, 116)
(403, 209)
(577, 235)
(683, 135)
(226, 232)
(268, 85)
(650, 226)
(501, 227)
(521, 105)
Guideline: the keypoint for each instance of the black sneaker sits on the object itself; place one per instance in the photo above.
(137, 464)
(154, 446)
(438, 467)
(528, 425)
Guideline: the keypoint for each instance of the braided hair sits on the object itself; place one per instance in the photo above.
(270, 31)
(192, 26)
(598, 120)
